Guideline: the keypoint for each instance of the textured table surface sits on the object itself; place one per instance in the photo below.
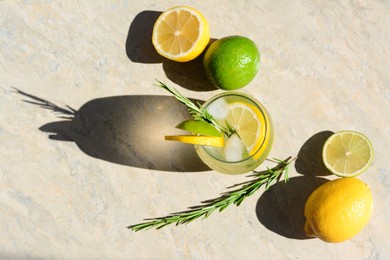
(81, 128)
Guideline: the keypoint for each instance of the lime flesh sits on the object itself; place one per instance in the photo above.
(199, 127)
(347, 153)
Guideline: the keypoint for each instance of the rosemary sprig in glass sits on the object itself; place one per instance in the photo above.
(246, 189)
(196, 110)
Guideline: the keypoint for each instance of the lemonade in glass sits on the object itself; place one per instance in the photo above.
(251, 141)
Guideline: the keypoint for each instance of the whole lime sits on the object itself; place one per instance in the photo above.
(232, 62)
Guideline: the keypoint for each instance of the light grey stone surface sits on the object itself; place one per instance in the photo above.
(69, 188)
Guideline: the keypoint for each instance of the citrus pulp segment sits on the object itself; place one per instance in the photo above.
(248, 123)
(347, 153)
(181, 33)
(198, 139)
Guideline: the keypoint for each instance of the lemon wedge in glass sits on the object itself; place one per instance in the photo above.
(198, 139)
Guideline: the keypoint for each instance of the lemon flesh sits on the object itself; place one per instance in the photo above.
(198, 139)
(347, 153)
(232, 62)
(338, 210)
(249, 124)
(181, 33)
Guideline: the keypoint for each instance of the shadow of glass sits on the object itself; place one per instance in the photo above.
(280, 209)
(309, 160)
(139, 48)
(127, 130)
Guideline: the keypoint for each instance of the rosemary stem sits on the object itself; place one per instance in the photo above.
(198, 112)
(267, 178)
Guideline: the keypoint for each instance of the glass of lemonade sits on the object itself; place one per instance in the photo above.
(251, 143)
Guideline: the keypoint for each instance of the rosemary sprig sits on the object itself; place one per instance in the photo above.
(196, 110)
(246, 189)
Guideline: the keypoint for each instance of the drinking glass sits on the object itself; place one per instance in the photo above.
(221, 107)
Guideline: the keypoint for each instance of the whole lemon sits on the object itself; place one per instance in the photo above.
(337, 210)
(232, 62)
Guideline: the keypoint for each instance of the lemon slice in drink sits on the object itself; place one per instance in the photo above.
(181, 33)
(249, 123)
(198, 139)
(347, 153)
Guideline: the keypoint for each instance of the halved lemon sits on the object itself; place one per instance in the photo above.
(198, 139)
(181, 33)
(249, 123)
(347, 153)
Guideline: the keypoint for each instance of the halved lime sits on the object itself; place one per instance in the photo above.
(347, 153)
(198, 139)
(199, 127)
